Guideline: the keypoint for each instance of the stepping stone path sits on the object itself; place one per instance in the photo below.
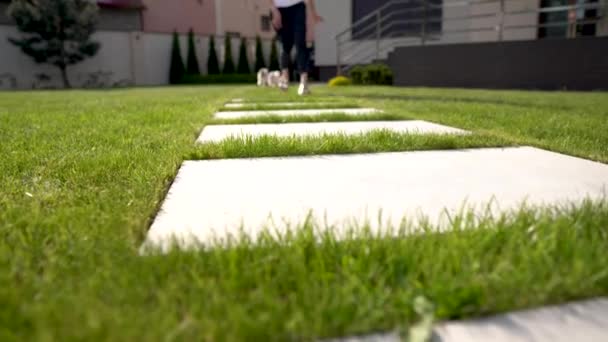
(576, 321)
(272, 104)
(217, 133)
(212, 198)
(216, 198)
(294, 112)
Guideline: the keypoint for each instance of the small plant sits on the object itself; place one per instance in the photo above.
(192, 61)
(177, 64)
(340, 81)
(228, 63)
(274, 57)
(243, 66)
(213, 65)
(259, 54)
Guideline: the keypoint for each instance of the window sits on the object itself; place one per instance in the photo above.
(567, 23)
(397, 19)
(266, 23)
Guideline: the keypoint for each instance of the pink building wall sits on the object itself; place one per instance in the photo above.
(242, 16)
(164, 16)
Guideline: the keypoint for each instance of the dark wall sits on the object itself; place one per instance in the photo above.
(326, 73)
(577, 64)
(4, 19)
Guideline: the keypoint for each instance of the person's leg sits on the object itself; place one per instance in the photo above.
(301, 48)
(287, 40)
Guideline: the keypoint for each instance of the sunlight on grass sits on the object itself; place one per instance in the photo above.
(334, 117)
(375, 141)
(84, 173)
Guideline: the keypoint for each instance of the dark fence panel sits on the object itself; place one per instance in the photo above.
(577, 64)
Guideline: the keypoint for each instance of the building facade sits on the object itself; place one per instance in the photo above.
(446, 22)
(136, 37)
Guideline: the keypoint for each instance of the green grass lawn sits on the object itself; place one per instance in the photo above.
(84, 172)
(375, 141)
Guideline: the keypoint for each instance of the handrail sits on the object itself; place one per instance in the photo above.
(381, 24)
(371, 15)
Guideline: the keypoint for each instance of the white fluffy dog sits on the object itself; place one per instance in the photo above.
(263, 77)
(268, 78)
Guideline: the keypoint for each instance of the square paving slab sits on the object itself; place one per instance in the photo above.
(272, 104)
(214, 198)
(216, 133)
(293, 112)
(577, 321)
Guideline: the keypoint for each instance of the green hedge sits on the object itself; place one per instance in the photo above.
(213, 65)
(177, 68)
(219, 79)
(372, 74)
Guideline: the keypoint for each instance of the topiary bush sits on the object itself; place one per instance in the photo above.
(192, 61)
(372, 74)
(243, 66)
(340, 81)
(259, 55)
(228, 62)
(213, 65)
(356, 74)
(177, 69)
(377, 74)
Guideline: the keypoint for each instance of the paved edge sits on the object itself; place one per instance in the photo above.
(219, 133)
(585, 320)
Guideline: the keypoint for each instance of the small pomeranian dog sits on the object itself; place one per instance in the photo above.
(263, 77)
(268, 78)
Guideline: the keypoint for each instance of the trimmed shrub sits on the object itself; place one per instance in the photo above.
(228, 63)
(259, 55)
(177, 64)
(356, 74)
(243, 66)
(376, 74)
(192, 61)
(274, 57)
(213, 66)
(340, 81)
(220, 79)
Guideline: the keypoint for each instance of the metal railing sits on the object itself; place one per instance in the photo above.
(419, 22)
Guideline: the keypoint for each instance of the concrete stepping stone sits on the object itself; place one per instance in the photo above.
(273, 104)
(577, 321)
(214, 198)
(292, 112)
(217, 133)
(237, 100)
